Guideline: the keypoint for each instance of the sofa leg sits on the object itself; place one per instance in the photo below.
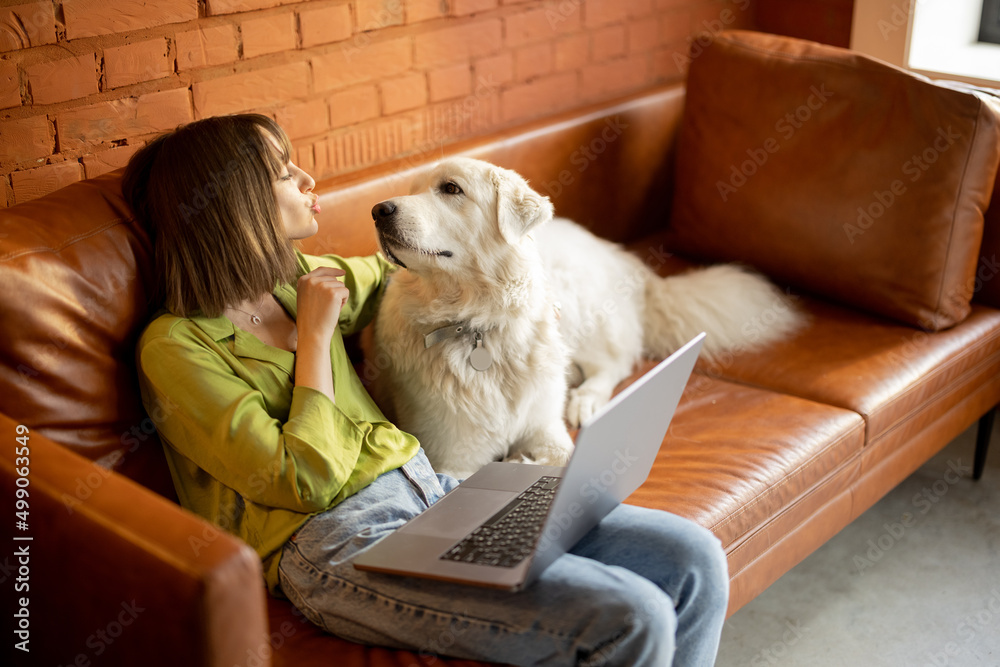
(983, 442)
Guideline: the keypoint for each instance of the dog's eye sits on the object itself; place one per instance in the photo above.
(450, 188)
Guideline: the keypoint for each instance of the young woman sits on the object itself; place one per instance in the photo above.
(272, 436)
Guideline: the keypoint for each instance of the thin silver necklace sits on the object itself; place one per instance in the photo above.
(254, 317)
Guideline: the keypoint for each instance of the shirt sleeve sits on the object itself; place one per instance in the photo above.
(366, 278)
(220, 422)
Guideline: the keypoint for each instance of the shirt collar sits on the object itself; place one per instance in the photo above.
(245, 344)
(219, 328)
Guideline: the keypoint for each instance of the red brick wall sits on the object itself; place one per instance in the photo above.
(84, 83)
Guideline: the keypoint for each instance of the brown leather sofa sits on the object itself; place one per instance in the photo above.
(860, 187)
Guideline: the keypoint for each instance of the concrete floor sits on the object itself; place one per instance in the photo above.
(913, 582)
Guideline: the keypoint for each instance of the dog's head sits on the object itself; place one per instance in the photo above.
(463, 217)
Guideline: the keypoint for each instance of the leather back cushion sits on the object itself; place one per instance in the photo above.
(75, 270)
(608, 167)
(837, 174)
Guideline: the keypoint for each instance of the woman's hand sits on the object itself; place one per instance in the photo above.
(321, 296)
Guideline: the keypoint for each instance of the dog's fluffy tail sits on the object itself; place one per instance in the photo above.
(738, 308)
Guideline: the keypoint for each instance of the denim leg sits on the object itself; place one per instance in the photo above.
(579, 612)
(683, 559)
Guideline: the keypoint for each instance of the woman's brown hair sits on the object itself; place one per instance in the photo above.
(205, 191)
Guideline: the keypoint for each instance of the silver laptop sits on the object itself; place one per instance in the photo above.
(506, 523)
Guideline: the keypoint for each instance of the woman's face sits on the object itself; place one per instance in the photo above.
(297, 204)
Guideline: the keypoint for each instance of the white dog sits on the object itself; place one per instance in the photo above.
(497, 303)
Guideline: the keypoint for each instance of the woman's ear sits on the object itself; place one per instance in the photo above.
(519, 208)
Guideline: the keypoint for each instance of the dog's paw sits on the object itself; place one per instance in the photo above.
(553, 457)
(550, 446)
(558, 458)
(520, 457)
(581, 406)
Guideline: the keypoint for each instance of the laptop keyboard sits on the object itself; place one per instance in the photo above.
(508, 537)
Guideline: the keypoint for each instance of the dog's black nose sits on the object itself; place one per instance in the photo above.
(383, 210)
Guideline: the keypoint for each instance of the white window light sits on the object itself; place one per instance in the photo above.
(938, 38)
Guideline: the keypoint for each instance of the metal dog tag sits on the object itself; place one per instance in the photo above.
(481, 359)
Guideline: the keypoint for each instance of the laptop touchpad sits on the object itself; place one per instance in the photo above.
(459, 512)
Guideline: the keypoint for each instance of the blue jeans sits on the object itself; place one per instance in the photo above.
(643, 588)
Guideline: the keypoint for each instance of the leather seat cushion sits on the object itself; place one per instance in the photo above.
(892, 375)
(738, 456)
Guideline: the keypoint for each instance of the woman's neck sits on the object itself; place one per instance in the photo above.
(249, 309)
(266, 319)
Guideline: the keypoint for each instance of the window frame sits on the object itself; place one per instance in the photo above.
(904, 32)
(989, 24)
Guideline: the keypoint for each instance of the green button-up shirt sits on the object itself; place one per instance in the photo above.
(247, 449)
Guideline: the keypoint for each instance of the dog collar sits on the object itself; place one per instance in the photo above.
(480, 358)
(444, 333)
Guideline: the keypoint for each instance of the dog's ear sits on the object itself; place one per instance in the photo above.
(519, 208)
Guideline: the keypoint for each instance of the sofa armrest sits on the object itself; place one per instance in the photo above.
(104, 571)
